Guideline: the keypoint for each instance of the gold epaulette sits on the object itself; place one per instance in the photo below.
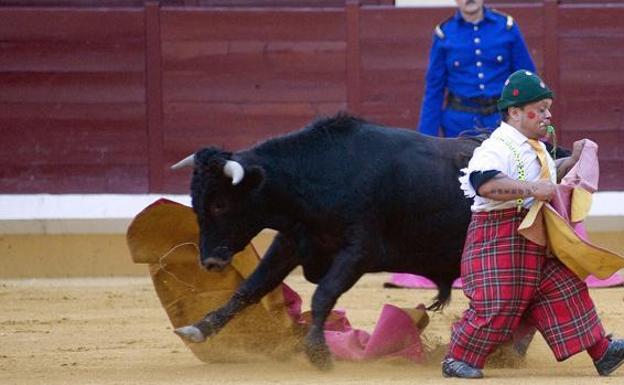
(510, 20)
(438, 29)
(439, 33)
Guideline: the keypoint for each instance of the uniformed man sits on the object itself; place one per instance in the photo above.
(472, 55)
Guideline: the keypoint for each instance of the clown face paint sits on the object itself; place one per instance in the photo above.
(535, 118)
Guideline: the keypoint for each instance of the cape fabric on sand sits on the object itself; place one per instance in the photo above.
(164, 236)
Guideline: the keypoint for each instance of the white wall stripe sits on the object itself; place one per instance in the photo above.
(112, 213)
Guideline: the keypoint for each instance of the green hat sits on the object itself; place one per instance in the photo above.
(523, 87)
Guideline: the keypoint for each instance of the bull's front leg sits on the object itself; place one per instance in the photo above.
(214, 321)
(342, 275)
(278, 261)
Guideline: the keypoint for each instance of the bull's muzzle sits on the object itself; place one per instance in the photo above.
(219, 258)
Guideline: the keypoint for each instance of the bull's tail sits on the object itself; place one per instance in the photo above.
(443, 297)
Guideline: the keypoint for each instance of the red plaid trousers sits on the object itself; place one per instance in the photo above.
(509, 279)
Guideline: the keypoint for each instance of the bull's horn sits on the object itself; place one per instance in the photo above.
(189, 161)
(234, 170)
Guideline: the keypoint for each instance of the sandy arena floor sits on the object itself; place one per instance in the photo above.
(114, 331)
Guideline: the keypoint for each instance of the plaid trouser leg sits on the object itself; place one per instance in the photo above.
(500, 274)
(564, 313)
(506, 278)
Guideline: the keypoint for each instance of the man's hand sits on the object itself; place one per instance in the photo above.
(577, 148)
(543, 190)
(565, 164)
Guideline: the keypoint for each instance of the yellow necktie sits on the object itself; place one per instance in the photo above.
(532, 226)
(541, 155)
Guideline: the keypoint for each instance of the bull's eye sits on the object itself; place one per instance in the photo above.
(219, 206)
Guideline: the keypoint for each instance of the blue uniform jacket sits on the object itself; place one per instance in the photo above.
(470, 61)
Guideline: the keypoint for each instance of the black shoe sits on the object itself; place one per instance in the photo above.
(455, 368)
(612, 359)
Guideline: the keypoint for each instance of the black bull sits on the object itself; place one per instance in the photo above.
(347, 197)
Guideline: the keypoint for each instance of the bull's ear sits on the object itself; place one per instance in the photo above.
(254, 178)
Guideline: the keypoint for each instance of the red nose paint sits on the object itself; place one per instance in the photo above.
(531, 115)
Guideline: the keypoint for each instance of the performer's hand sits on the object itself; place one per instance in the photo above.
(564, 165)
(543, 190)
(577, 147)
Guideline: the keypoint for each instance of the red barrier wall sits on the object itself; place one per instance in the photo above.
(72, 101)
(104, 99)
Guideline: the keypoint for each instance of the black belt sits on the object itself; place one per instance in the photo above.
(483, 106)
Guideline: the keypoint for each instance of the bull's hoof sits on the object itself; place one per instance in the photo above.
(320, 357)
(190, 333)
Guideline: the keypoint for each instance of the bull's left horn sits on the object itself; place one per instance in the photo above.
(189, 161)
(234, 170)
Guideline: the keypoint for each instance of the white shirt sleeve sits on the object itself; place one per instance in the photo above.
(491, 155)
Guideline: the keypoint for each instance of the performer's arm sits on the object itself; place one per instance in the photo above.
(503, 188)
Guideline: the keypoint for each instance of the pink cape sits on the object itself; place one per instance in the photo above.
(413, 281)
(396, 333)
(161, 228)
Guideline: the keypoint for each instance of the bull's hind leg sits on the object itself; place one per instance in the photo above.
(342, 275)
(278, 261)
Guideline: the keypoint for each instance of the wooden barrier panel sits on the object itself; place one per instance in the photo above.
(107, 99)
(72, 96)
(232, 78)
(591, 61)
(190, 3)
(395, 47)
